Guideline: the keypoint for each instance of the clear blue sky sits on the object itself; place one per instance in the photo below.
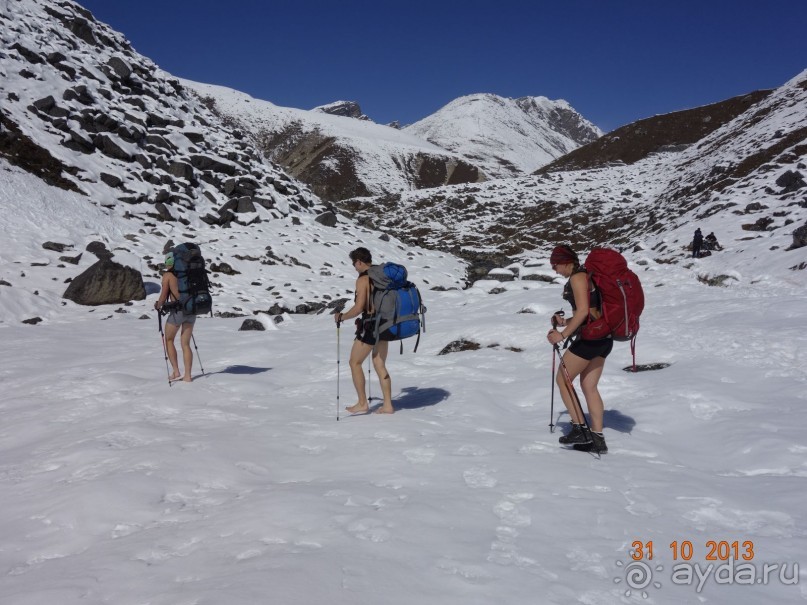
(614, 61)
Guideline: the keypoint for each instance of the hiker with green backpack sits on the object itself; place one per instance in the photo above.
(168, 304)
(367, 341)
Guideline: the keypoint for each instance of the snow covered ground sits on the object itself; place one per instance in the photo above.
(242, 487)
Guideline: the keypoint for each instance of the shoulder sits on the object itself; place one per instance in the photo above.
(581, 277)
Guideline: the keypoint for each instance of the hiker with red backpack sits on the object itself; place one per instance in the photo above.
(607, 299)
(584, 357)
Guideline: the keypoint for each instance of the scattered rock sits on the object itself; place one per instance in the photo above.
(327, 218)
(100, 250)
(73, 260)
(791, 181)
(799, 238)
(32, 321)
(223, 268)
(106, 282)
(502, 275)
(252, 324)
(717, 280)
(646, 367)
(761, 224)
(460, 345)
(56, 247)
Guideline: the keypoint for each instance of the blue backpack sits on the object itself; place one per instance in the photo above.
(194, 286)
(399, 310)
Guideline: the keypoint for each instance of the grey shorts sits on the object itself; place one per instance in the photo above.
(177, 318)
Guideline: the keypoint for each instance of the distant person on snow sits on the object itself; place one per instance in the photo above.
(365, 343)
(168, 303)
(711, 242)
(697, 243)
(584, 358)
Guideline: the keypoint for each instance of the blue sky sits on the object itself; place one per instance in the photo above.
(614, 61)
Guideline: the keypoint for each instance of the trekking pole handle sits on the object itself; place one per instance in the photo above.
(555, 318)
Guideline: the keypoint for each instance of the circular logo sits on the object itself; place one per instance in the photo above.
(638, 575)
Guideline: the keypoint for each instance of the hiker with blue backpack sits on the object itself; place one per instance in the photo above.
(367, 341)
(168, 304)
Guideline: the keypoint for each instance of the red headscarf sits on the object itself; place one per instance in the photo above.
(562, 255)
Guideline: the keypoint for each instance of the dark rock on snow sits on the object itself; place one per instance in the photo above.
(106, 282)
(252, 324)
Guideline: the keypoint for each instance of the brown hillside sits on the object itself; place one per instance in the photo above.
(631, 143)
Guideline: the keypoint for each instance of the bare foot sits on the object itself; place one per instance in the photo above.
(174, 376)
(187, 379)
(385, 410)
(358, 408)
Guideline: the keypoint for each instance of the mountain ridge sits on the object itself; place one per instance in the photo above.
(504, 136)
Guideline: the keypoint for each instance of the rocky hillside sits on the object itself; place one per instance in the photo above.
(668, 132)
(506, 137)
(105, 157)
(87, 113)
(338, 154)
(745, 180)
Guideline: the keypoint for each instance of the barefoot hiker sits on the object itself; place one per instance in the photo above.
(365, 343)
(167, 303)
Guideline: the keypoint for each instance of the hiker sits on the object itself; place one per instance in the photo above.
(697, 243)
(168, 303)
(365, 343)
(711, 242)
(584, 358)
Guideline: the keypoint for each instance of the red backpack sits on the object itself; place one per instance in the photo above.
(622, 298)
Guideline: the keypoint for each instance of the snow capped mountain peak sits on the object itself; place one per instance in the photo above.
(504, 136)
(348, 109)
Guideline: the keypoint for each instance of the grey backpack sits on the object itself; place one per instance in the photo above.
(399, 310)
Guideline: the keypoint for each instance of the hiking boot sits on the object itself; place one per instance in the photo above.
(596, 445)
(578, 434)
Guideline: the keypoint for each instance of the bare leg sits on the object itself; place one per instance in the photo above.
(379, 363)
(575, 365)
(170, 333)
(187, 353)
(589, 378)
(358, 354)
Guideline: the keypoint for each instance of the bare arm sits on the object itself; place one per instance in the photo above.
(579, 283)
(165, 291)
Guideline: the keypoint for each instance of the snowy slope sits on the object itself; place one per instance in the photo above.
(381, 158)
(506, 137)
(83, 109)
(243, 488)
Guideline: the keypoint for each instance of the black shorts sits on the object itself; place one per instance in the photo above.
(364, 330)
(589, 349)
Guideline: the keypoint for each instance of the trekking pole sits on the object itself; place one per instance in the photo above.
(552, 380)
(338, 360)
(370, 380)
(193, 339)
(165, 349)
(552, 398)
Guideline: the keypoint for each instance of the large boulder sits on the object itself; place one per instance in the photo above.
(106, 283)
